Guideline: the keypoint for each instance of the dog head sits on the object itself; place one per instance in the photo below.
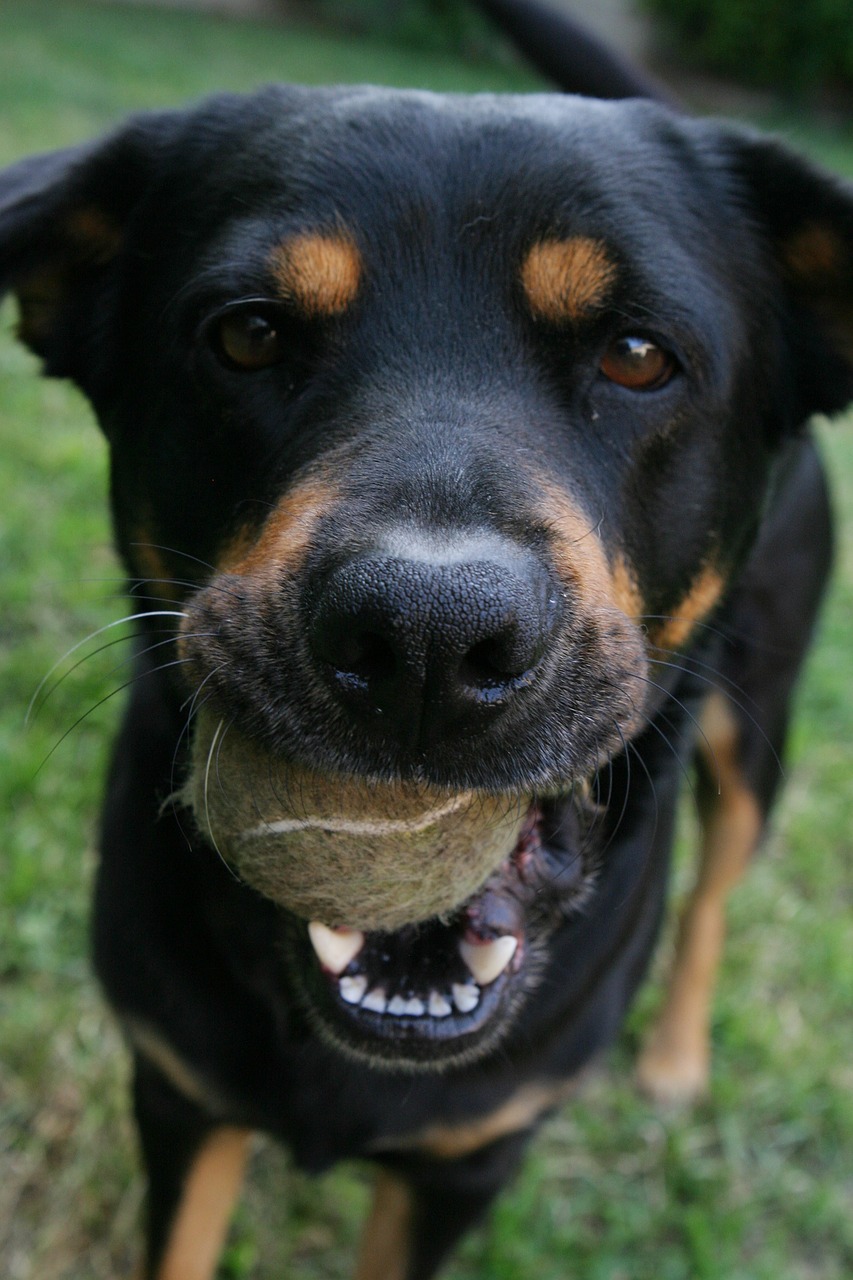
(442, 421)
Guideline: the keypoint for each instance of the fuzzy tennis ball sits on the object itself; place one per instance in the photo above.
(369, 855)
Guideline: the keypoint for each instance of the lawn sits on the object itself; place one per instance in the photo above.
(754, 1184)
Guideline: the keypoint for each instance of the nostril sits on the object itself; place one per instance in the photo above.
(359, 657)
(499, 663)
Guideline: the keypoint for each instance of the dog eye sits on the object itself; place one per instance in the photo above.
(248, 338)
(638, 364)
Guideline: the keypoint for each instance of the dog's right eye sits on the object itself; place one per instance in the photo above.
(248, 337)
(638, 364)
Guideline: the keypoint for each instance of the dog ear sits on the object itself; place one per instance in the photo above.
(806, 217)
(63, 225)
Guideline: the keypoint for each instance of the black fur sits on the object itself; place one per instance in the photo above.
(436, 402)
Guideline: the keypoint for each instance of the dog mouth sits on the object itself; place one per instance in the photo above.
(446, 989)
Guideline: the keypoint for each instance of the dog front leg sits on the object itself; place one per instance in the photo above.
(195, 1170)
(675, 1063)
(423, 1205)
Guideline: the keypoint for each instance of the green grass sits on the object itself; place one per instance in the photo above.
(755, 1183)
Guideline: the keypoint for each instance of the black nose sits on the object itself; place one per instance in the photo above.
(424, 648)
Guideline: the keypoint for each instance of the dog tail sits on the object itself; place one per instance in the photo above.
(567, 54)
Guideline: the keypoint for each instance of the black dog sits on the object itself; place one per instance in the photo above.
(464, 436)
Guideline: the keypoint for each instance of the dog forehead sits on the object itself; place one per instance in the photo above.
(344, 146)
(382, 166)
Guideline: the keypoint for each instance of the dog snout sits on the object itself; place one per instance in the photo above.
(422, 647)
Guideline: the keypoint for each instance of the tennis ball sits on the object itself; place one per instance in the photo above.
(345, 851)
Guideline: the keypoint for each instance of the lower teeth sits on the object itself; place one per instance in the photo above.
(466, 997)
(353, 990)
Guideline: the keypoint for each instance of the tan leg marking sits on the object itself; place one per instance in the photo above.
(384, 1250)
(211, 1188)
(675, 1062)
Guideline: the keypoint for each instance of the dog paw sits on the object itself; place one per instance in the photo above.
(673, 1076)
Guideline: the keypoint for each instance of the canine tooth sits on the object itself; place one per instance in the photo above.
(438, 1007)
(375, 1000)
(415, 1008)
(487, 960)
(397, 1006)
(353, 988)
(335, 947)
(466, 996)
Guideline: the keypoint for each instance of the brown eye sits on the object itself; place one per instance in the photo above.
(638, 364)
(248, 339)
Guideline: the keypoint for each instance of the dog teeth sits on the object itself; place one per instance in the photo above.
(400, 1007)
(466, 996)
(438, 1007)
(487, 960)
(352, 988)
(376, 1000)
(335, 948)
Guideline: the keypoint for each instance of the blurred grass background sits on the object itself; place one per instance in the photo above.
(756, 1183)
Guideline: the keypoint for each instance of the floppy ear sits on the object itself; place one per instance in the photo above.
(806, 217)
(63, 223)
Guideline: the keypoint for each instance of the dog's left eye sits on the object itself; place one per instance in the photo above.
(637, 363)
(248, 337)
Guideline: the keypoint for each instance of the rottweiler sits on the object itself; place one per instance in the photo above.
(460, 443)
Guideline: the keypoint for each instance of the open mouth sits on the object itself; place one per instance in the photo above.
(450, 987)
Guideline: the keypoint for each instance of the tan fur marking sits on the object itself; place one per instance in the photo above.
(90, 238)
(453, 1142)
(675, 1062)
(576, 548)
(820, 263)
(319, 272)
(384, 1249)
(160, 1053)
(567, 279)
(151, 566)
(626, 592)
(707, 588)
(579, 555)
(815, 254)
(40, 297)
(286, 535)
(94, 234)
(211, 1188)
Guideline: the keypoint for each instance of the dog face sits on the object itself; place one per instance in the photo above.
(442, 422)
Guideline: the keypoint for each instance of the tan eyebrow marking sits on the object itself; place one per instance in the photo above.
(566, 279)
(319, 271)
